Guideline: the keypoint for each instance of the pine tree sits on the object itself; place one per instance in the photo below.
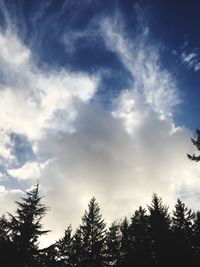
(159, 222)
(8, 252)
(77, 252)
(26, 227)
(182, 225)
(197, 144)
(4, 230)
(113, 245)
(196, 238)
(93, 236)
(125, 257)
(64, 247)
(140, 238)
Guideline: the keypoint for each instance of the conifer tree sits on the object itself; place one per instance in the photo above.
(140, 238)
(26, 227)
(196, 237)
(197, 144)
(64, 247)
(125, 257)
(159, 222)
(113, 245)
(182, 225)
(4, 230)
(8, 252)
(77, 256)
(93, 236)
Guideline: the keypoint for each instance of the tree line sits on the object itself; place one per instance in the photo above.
(151, 237)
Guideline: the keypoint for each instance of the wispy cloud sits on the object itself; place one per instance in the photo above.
(141, 59)
(191, 60)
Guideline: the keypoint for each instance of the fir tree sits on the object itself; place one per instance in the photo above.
(8, 251)
(159, 222)
(77, 256)
(113, 245)
(125, 257)
(4, 229)
(93, 236)
(196, 238)
(197, 144)
(64, 247)
(26, 227)
(140, 238)
(182, 222)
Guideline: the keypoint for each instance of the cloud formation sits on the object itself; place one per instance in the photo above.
(34, 101)
(191, 60)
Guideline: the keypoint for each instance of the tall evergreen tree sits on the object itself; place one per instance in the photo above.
(113, 245)
(93, 236)
(125, 257)
(159, 222)
(140, 239)
(26, 227)
(77, 252)
(182, 225)
(64, 247)
(196, 238)
(195, 142)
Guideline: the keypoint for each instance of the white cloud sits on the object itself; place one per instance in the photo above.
(33, 101)
(8, 198)
(5, 147)
(154, 83)
(30, 170)
(191, 60)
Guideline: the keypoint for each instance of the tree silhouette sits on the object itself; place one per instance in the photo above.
(26, 228)
(93, 236)
(196, 237)
(140, 238)
(64, 247)
(113, 245)
(153, 238)
(182, 222)
(159, 222)
(197, 144)
(8, 251)
(77, 256)
(125, 258)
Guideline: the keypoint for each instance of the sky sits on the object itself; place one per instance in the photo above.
(98, 98)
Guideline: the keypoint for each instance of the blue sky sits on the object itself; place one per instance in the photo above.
(63, 34)
(98, 98)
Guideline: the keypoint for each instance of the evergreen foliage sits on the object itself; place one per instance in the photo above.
(140, 238)
(113, 245)
(195, 142)
(25, 228)
(93, 236)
